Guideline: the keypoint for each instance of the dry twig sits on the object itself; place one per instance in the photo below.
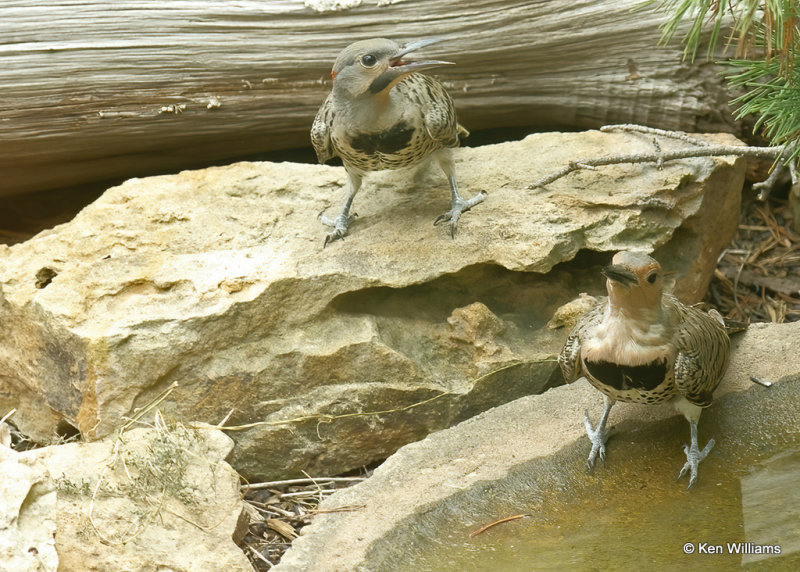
(7, 416)
(698, 149)
(709, 151)
(758, 276)
(486, 527)
(306, 481)
(678, 135)
(291, 502)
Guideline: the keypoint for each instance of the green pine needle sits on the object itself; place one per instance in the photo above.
(767, 59)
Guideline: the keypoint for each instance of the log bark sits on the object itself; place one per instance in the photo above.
(95, 91)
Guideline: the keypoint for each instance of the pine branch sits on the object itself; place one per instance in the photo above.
(771, 97)
(770, 79)
(751, 24)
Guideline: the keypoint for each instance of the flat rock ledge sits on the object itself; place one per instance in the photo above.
(324, 360)
(451, 482)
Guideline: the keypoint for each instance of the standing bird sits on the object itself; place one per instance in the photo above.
(382, 115)
(643, 346)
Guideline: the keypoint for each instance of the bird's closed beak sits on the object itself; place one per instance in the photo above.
(619, 275)
(399, 66)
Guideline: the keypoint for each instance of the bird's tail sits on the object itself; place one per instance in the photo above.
(731, 326)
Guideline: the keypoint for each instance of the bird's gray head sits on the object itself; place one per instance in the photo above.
(371, 67)
(634, 280)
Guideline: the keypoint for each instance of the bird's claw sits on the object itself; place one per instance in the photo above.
(598, 436)
(597, 451)
(335, 234)
(340, 225)
(459, 207)
(452, 215)
(693, 457)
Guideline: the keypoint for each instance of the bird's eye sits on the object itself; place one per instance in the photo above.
(652, 278)
(369, 60)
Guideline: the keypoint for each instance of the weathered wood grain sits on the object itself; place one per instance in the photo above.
(96, 90)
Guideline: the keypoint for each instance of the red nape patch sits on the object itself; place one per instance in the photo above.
(333, 75)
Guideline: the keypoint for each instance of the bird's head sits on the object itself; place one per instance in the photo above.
(370, 67)
(634, 281)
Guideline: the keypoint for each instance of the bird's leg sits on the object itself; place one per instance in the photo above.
(341, 222)
(598, 435)
(694, 455)
(458, 204)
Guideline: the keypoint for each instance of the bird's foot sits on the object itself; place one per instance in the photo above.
(598, 436)
(459, 206)
(339, 224)
(693, 457)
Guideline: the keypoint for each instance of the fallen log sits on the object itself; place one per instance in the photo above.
(95, 91)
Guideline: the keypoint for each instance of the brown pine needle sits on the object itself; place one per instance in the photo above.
(283, 528)
(486, 527)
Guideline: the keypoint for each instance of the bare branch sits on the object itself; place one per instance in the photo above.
(632, 128)
(658, 157)
(765, 187)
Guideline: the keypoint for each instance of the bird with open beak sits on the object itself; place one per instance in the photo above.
(382, 114)
(641, 345)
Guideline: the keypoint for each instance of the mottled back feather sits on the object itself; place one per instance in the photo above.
(321, 131)
(436, 105)
(570, 357)
(703, 350)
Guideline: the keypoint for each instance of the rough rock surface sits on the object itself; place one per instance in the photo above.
(27, 515)
(153, 500)
(217, 280)
(425, 490)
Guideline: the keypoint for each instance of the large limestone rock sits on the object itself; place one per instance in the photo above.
(153, 499)
(528, 456)
(334, 357)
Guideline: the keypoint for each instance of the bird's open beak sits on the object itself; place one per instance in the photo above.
(400, 66)
(619, 275)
